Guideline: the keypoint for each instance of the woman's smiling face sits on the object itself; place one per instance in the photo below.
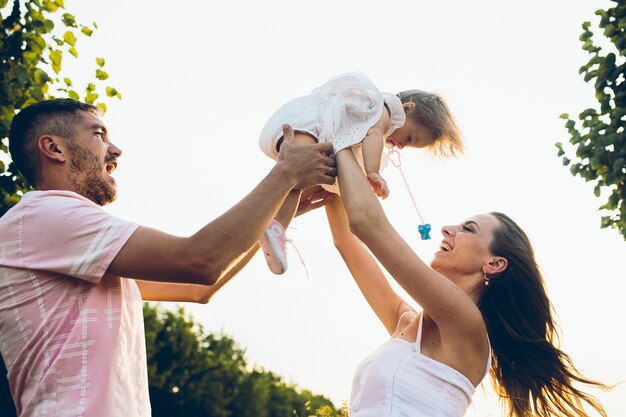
(465, 247)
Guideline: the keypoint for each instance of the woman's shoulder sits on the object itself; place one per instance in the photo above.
(406, 313)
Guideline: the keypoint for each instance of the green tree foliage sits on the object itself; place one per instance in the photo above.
(196, 374)
(36, 36)
(190, 374)
(599, 140)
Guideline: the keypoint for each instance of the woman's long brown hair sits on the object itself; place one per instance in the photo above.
(529, 372)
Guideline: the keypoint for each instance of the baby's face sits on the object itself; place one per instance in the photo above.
(412, 135)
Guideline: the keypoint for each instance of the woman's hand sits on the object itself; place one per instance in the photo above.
(313, 198)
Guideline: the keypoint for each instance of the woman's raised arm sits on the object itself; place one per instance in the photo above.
(385, 302)
(454, 312)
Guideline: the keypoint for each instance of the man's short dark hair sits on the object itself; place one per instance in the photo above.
(50, 117)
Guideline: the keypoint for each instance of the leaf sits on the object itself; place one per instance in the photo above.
(48, 25)
(37, 43)
(100, 62)
(102, 107)
(69, 38)
(91, 87)
(30, 58)
(40, 76)
(73, 51)
(21, 75)
(587, 113)
(90, 98)
(112, 92)
(59, 3)
(50, 6)
(55, 57)
(605, 222)
(73, 95)
(67, 81)
(101, 75)
(613, 200)
(87, 31)
(69, 20)
(36, 92)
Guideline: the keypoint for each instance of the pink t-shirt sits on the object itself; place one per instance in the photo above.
(72, 337)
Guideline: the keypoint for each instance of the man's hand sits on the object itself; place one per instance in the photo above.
(312, 198)
(308, 165)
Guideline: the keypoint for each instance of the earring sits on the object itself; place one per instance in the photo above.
(487, 279)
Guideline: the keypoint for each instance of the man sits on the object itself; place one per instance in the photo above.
(71, 324)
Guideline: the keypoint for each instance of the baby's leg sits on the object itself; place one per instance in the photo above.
(273, 239)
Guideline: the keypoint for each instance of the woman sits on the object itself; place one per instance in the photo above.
(483, 281)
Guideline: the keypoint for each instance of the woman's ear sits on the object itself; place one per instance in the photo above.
(496, 265)
(52, 147)
(409, 106)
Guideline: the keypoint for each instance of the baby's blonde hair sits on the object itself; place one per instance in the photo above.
(432, 112)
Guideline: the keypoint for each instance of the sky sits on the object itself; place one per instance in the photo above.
(199, 79)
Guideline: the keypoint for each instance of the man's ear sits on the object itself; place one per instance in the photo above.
(496, 265)
(52, 147)
(408, 107)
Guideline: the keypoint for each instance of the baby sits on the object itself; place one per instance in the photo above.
(350, 111)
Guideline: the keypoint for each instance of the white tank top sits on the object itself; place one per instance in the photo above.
(396, 380)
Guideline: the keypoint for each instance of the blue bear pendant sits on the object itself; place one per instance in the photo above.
(424, 230)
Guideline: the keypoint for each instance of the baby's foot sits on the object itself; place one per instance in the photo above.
(379, 185)
(273, 243)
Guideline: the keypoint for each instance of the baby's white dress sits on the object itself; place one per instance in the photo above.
(340, 111)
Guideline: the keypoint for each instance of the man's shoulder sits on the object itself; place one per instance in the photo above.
(55, 198)
(48, 202)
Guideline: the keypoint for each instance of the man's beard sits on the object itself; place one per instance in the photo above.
(86, 174)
